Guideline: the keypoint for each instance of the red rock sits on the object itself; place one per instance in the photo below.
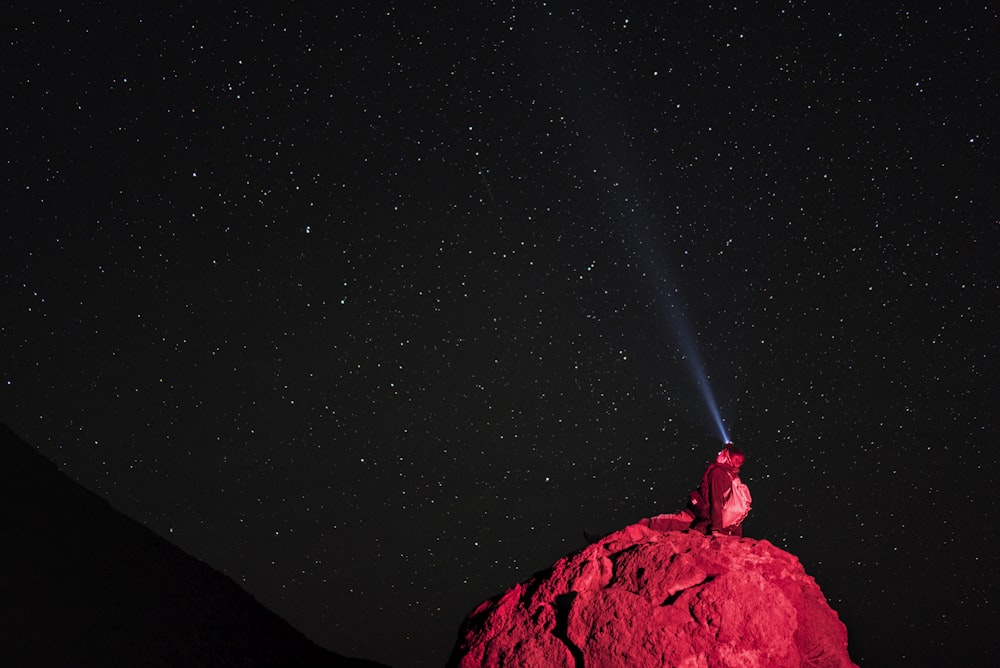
(642, 598)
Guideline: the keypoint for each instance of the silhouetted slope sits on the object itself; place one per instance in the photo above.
(83, 585)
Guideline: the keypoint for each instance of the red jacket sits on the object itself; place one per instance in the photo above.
(715, 484)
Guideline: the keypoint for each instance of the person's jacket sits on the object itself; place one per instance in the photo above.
(715, 484)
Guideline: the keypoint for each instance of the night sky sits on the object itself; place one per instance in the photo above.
(376, 308)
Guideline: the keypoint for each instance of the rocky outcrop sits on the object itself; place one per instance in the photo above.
(83, 585)
(642, 598)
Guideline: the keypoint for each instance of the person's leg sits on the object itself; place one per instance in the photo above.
(700, 525)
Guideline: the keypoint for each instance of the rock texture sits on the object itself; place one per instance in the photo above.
(643, 598)
(83, 585)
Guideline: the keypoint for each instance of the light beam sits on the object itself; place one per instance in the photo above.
(666, 292)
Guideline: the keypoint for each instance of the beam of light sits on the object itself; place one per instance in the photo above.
(656, 269)
(616, 158)
(689, 347)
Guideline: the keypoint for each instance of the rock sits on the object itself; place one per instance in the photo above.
(643, 598)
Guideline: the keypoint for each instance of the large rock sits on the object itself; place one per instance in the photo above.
(642, 598)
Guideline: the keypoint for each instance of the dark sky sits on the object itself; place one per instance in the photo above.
(376, 308)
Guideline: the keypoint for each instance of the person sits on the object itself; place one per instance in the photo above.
(703, 512)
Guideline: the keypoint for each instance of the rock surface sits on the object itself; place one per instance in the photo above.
(643, 598)
(83, 585)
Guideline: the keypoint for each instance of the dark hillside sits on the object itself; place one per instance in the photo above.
(83, 585)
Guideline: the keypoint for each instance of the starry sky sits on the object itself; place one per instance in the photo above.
(377, 307)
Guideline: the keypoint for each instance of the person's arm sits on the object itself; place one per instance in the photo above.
(719, 483)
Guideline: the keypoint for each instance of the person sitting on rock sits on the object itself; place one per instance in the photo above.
(704, 510)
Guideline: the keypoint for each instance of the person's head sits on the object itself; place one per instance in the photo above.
(732, 454)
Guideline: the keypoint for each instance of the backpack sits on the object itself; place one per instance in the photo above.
(736, 505)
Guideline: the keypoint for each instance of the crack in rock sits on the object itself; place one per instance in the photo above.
(670, 600)
(563, 604)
